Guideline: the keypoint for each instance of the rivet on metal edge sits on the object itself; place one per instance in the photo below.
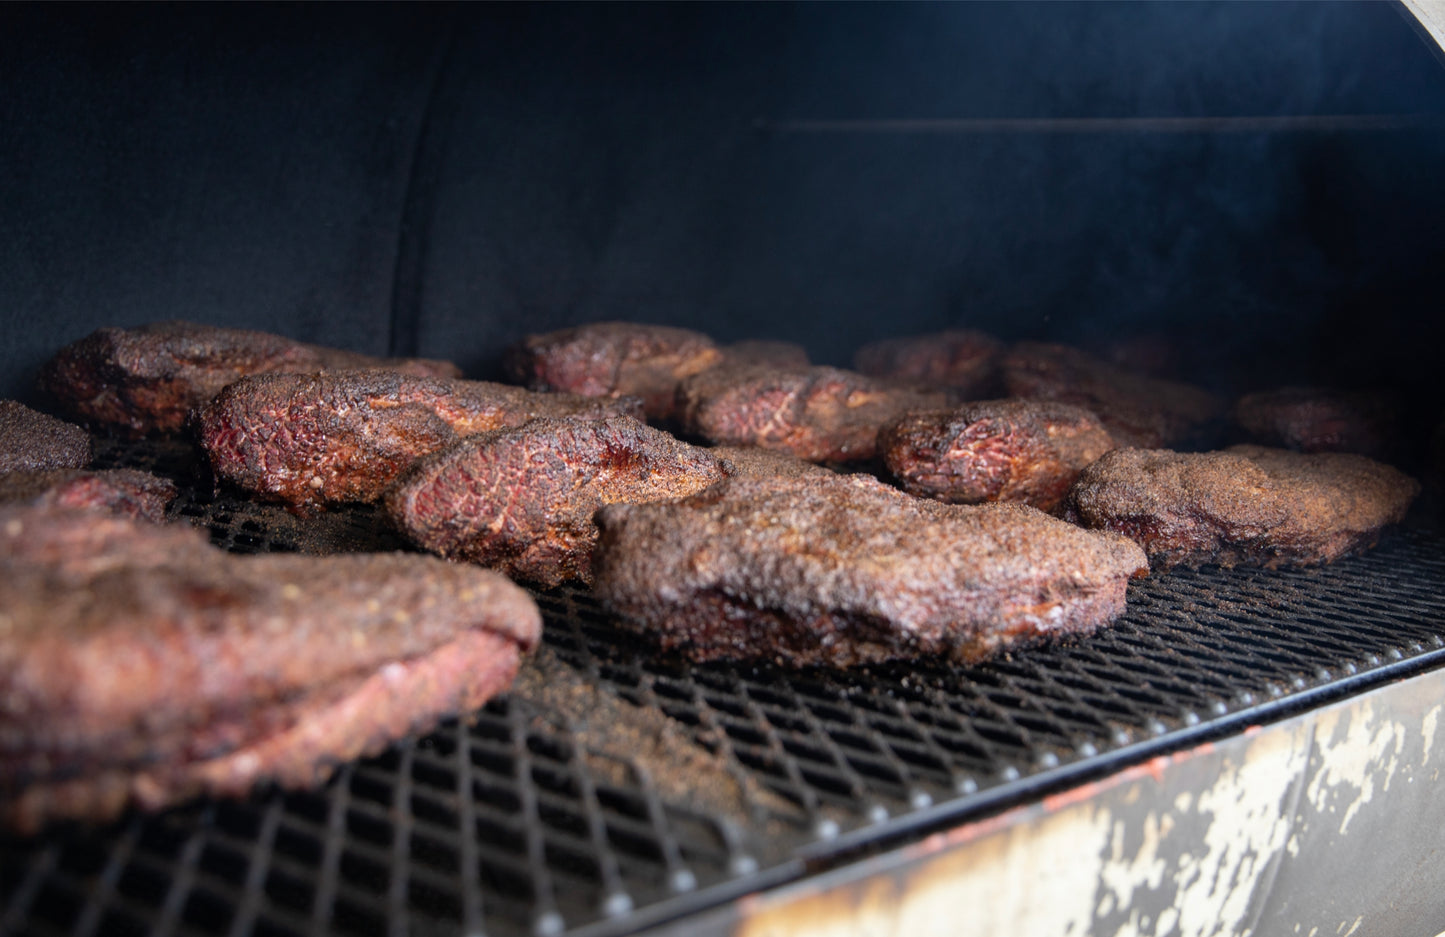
(548, 924)
(1191, 718)
(877, 813)
(918, 800)
(1436, 640)
(743, 865)
(682, 880)
(1299, 683)
(1323, 673)
(1395, 654)
(1350, 667)
(1275, 690)
(1373, 660)
(1120, 737)
(1219, 707)
(826, 829)
(1088, 749)
(1048, 760)
(1417, 647)
(1010, 773)
(1246, 697)
(617, 904)
(1156, 727)
(966, 786)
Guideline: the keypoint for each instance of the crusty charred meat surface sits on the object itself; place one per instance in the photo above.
(1316, 419)
(1246, 505)
(521, 500)
(613, 359)
(1029, 451)
(1137, 410)
(765, 463)
(844, 570)
(130, 492)
(150, 378)
(31, 440)
(820, 414)
(963, 359)
(766, 351)
(139, 666)
(309, 440)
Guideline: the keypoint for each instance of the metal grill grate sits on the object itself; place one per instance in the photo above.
(617, 788)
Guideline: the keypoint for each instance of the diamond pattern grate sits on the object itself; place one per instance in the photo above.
(658, 788)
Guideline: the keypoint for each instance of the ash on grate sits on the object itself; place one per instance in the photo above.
(605, 728)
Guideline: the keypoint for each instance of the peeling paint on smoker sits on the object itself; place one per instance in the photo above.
(1260, 834)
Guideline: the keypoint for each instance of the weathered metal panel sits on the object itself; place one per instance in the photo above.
(1324, 824)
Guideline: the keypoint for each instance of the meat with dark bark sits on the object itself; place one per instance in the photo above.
(521, 500)
(964, 359)
(766, 351)
(1246, 505)
(820, 414)
(613, 359)
(1317, 419)
(843, 570)
(130, 492)
(1029, 451)
(311, 440)
(139, 666)
(765, 463)
(31, 440)
(1137, 410)
(150, 378)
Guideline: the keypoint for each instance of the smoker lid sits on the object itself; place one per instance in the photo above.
(616, 788)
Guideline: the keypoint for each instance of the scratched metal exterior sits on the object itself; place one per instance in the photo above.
(1324, 823)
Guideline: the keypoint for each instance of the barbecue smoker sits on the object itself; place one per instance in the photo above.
(1240, 195)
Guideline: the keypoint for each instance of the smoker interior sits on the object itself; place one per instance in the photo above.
(1250, 190)
(550, 813)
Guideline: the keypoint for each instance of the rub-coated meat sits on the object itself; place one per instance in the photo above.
(963, 359)
(766, 351)
(1028, 451)
(613, 359)
(139, 666)
(820, 414)
(310, 440)
(521, 500)
(150, 378)
(1137, 410)
(1315, 419)
(844, 570)
(1246, 505)
(765, 463)
(31, 440)
(131, 492)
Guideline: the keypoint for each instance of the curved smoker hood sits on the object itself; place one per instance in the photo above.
(1255, 184)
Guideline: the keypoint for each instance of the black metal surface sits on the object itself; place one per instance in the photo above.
(527, 820)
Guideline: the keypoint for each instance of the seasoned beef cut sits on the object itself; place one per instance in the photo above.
(844, 570)
(1136, 410)
(612, 359)
(763, 351)
(116, 491)
(820, 414)
(1246, 505)
(764, 463)
(31, 440)
(310, 440)
(139, 666)
(1316, 419)
(1028, 451)
(960, 358)
(150, 378)
(521, 500)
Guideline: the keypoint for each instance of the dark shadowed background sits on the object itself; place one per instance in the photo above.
(440, 180)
